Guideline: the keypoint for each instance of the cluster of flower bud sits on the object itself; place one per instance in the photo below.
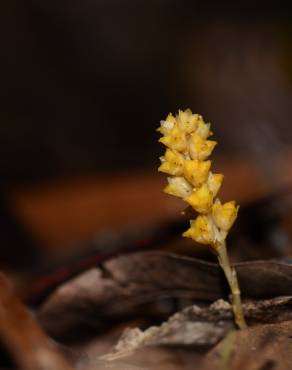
(185, 160)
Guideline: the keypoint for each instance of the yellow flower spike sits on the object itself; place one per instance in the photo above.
(201, 199)
(214, 182)
(176, 139)
(172, 163)
(200, 148)
(224, 215)
(185, 137)
(201, 230)
(196, 172)
(178, 187)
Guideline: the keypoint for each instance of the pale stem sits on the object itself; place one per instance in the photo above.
(231, 277)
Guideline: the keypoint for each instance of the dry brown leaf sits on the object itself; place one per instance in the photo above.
(200, 327)
(125, 284)
(264, 347)
(29, 347)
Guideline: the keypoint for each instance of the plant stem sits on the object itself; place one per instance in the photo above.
(231, 277)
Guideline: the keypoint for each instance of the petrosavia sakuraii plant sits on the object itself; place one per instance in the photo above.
(190, 178)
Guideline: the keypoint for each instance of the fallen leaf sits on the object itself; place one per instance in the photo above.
(28, 345)
(263, 347)
(200, 327)
(124, 285)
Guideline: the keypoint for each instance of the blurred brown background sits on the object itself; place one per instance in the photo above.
(84, 85)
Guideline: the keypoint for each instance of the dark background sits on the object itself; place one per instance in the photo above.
(83, 86)
(85, 83)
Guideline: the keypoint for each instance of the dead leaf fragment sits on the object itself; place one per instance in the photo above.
(125, 284)
(29, 347)
(200, 327)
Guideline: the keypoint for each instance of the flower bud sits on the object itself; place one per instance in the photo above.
(200, 148)
(172, 163)
(187, 121)
(214, 182)
(201, 199)
(167, 125)
(203, 129)
(201, 230)
(176, 139)
(196, 172)
(178, 187)
(225, 214)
